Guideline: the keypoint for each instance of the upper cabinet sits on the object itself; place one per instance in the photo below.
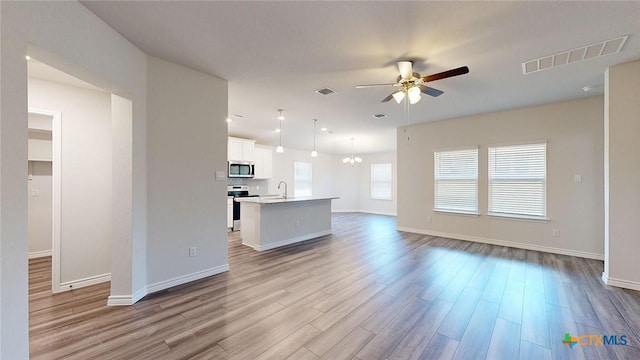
(263, 164)
(240, 149)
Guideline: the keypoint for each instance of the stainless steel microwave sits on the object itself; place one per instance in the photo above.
(241, 169)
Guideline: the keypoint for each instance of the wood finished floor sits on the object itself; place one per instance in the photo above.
(365, 292)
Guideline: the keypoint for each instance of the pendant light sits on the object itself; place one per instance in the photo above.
(314, 153)
(280, 149)
(353, 160)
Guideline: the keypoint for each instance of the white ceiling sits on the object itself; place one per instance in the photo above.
(275, 54)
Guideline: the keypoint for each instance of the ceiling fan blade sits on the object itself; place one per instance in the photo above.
(431, 91)
(406, 69)
(373, 85)
(388, 98)
(446, 74)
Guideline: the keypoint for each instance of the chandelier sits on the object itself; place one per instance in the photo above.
(352, 160)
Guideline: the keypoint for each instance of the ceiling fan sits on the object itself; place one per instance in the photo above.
(411, 84)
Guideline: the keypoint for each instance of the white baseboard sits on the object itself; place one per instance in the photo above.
(291, 240)
(127, 300)
(76, 284)
(124, 300)
(378, 213)
(165, 284)
(633, 285)
(364, 212)
(119, 300)
(548, 249)
(39, 254)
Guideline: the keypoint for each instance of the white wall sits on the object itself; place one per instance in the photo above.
(574, 134)
(622, 175)
(187, 139)
(283, 171)
(353, 185)
(86, 176)
(49, 32)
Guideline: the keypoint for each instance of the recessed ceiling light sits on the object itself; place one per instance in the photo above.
(238, 115)
(380, 116)
(323, 129)
(28, 57)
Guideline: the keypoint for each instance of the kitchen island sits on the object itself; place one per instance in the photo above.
(270, 222)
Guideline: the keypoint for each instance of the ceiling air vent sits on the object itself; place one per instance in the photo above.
(602, 48)
(325, 91)
(380, 116)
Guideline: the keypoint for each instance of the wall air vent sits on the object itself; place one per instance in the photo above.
(325, 91)
(602, 48)
(380, 116)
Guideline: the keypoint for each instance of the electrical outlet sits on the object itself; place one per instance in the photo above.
(428, 219)
(556, 232)
(192, 251)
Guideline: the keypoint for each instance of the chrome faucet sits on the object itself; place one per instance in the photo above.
(285, 188)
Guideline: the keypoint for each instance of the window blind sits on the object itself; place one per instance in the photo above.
(456, 181)
(381, 181)
(302, 179)
(517, 180)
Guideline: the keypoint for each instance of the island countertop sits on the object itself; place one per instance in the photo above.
(280, 200)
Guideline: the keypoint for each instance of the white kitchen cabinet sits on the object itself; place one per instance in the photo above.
(263, 159)
(240, 149)
(229, 212)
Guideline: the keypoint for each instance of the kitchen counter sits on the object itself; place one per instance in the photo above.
(271, 222)
(280, 200)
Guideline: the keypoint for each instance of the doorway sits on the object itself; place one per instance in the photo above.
(70, 186)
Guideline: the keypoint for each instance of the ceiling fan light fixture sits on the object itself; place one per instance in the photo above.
(314, 153)
(398, 96)
(414, 95)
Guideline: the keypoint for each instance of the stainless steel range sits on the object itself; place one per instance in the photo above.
(238, 191)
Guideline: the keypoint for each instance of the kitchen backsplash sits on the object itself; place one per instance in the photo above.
(256, 187)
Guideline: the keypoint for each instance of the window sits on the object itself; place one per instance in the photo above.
(518, 181)
(456, 181)
(302, 179)
(381, 181)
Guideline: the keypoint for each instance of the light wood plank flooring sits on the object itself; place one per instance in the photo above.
(365, 292)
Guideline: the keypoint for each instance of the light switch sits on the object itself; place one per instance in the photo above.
(577, 178)
(221, 175)
(35, 192)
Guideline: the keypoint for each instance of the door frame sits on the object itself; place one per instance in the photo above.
(56, 168)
